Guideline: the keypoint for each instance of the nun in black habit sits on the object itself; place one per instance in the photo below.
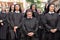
(33, 7)
(40, 29)
(29, 26)
(14, 20)
(11, 8)
(50, 21)
(9, 18)
(3, 24)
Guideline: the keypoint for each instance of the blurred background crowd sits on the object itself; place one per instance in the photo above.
(25, 4)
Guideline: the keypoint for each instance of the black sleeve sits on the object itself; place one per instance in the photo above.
(40, 22)
(11, 20)
(45, 23)
(23, 27)
(4, 19)
(36, 27)
(8, 18)
(21, 19)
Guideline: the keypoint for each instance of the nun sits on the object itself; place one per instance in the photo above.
(3, 24)
(40, 29)
(11, 8)
(30, 26)
(14, 21)
(50, 23)
(33, 7)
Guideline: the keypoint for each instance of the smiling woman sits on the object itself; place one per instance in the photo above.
(50, 22)
(29, 26)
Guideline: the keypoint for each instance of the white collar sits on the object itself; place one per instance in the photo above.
(3, 12)
(17, 11)
(51, 12)
(11, 11)
(29, 17)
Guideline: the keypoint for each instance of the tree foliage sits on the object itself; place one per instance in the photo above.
(37, 2)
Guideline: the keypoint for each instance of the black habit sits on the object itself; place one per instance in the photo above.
(30, 25)
(14, 19)
(50, 22)
(3, 28)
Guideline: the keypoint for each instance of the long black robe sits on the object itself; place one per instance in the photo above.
(50, 22)
(58, 26)
(40, 18)
(3, 28)
(41, 28)
(14, 19)
(11, 34)
(30, 25)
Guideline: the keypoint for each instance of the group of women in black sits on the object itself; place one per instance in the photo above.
(31, 25)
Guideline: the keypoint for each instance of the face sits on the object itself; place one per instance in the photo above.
(33, 7)
(39, 10)
(3, 8)
(51, 8)
(7, 10)
(17, 7)
(12, 7)
(29, 14)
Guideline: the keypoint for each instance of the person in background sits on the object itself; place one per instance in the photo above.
(8, 14)
(42, 18)
(23, 11)
(45, 9)
(3, 24)
(33, 7)
(40, 29)
(39, 11)
(11, 8)
(7, 10)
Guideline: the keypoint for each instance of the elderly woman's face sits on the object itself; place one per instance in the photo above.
(29, 14)
(51, 8)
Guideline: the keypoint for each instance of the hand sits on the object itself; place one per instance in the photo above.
(1, 20)
(15, 27)
(2, 24)
(30, 34)
(53, 30)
